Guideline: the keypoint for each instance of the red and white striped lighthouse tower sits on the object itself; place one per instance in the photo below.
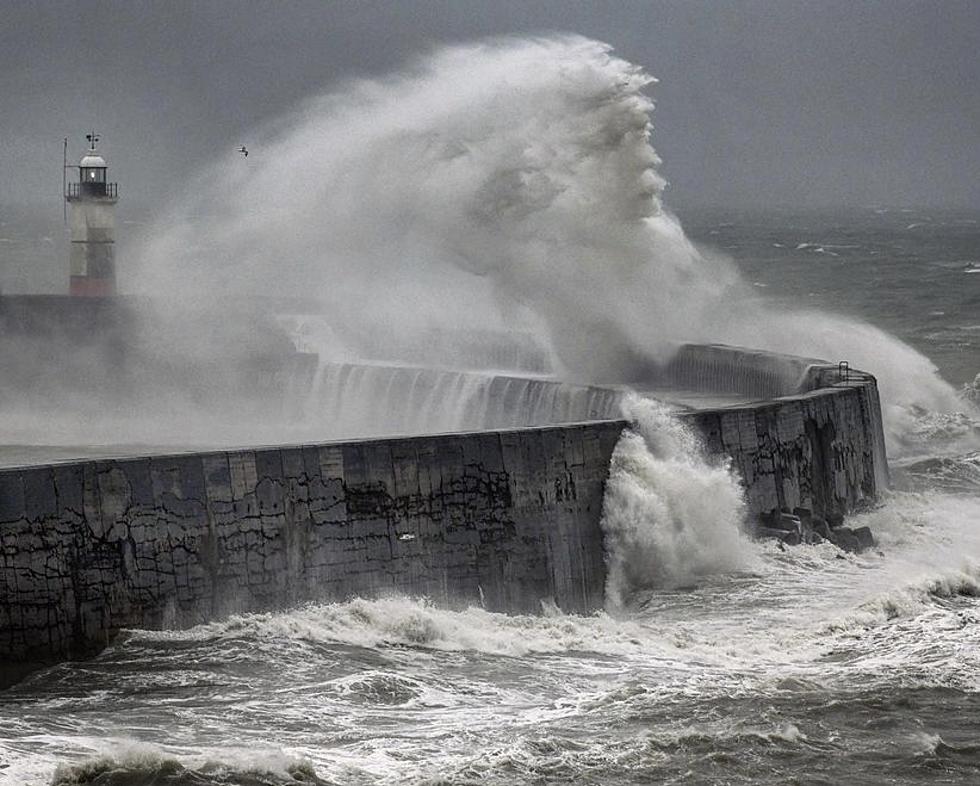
(92, 259)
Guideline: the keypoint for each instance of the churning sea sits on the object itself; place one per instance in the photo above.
(805, 666)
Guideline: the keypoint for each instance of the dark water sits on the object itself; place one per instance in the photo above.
(802, 666)
(911, 272)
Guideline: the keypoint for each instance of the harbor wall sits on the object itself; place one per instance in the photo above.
(500, 518)
(505, 519)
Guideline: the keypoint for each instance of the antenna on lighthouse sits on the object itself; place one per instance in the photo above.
(64, 180)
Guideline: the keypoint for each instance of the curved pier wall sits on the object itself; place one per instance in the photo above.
(823, 450)
(503, 518)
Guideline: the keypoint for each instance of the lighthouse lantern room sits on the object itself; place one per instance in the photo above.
(92, 259)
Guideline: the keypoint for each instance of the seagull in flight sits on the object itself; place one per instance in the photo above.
(243, 150)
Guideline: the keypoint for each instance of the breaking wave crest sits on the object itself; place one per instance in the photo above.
(670, 514)
(913, 598)
(134, 764)
(406, 622)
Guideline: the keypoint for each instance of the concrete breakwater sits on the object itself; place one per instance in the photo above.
(502, 518)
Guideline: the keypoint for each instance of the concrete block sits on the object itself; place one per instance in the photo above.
(311, 462)
(115, 499)
(405, 468)
(574, 450)
(244, 476)
(356, 471)
(137, 472)
(69, 483)
(165, 478)
(332, 462)
(553, 453)
(380, 468)
(269, 494)
(13, 506)
(217, 478)
(268, 464)
(90, 497)
(40, 499)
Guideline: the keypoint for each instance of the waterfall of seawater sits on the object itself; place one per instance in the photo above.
(354, 400)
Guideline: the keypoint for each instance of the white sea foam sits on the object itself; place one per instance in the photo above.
(971, 392)
(406, 622)
(670, 515)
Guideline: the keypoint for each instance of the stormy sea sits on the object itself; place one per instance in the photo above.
(747, 663)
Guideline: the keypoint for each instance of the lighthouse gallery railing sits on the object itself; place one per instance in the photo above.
(97, 190)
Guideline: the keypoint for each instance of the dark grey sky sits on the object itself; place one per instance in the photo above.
(759, 103)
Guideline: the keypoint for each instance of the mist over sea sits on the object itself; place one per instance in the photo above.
(738, 661)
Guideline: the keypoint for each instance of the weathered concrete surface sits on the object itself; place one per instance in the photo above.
(822, 450)
(504, 518)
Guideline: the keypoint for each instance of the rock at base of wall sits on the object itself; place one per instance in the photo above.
(821, 528)
(783, 521)
(853, 540)
(789, 529)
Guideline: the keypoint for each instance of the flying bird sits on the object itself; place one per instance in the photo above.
(243, 150)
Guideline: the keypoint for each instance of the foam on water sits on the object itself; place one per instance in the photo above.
(399, 622)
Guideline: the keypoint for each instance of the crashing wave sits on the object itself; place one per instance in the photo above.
(971, 392)
(401, 622)
(146, 765)
(670, 515)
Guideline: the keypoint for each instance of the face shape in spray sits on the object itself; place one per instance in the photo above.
(507, 184)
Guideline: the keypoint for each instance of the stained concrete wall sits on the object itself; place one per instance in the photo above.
(506, 518)
(822, 450)
(503, 518)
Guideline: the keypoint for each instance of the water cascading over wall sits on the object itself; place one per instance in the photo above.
(359, 399)
(735, 370)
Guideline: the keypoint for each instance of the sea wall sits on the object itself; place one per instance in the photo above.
(503, 518)
(822, 450)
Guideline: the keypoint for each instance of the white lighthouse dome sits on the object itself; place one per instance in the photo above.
(93, 159)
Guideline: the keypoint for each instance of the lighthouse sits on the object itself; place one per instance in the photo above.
(92, 259)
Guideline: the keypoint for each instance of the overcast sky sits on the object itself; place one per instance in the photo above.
(759, 103)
